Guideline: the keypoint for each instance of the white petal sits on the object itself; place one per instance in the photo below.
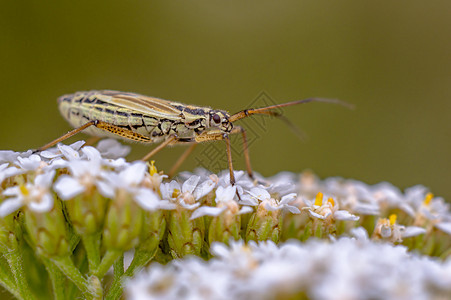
(66, 187)
(111, 148)
(207, 211)
(49, 154)
(189, 206)
(134, 173)
(3, 166)
(288, 198)
(45, 179)
(106, 189)
(44, 205)
(318, 216)
(444, 226)
(77, 145)
(268, 206)
(80, 168)
(91, 153)
(225, 194)
(12, 191)
(12, 171)
(344, 215)
(413, 231)
(147, 199)
(204, 188)
(292, 209)
(68, 152)
(57, 163)
(190, 184)
(245, 210)
(8, 155)
(166, 205)
(260, 194)
(248, 200)
(29, 163)
(360, 233)
(10, 205)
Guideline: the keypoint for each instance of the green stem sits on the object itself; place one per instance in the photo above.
(91, 243)
(107, 261)
(14, 258)
(140, 259)
(66, 265)
(7, 278)
(119, 267)
(57, 278)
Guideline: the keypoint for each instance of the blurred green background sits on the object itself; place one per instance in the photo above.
(389, 58)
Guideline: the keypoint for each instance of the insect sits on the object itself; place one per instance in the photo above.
(149, 120)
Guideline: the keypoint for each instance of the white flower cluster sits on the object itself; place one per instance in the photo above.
(139, 207)
(355, 197)
(104, 169)
(344, 269)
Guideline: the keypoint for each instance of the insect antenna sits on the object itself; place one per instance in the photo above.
(269, 109)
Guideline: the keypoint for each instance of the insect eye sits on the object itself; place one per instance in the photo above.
(216, 119)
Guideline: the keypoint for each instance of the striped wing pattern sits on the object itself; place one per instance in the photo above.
(155, 107)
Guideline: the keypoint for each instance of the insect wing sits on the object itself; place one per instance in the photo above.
(154, 107)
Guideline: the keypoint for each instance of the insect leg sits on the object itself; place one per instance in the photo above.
(120, 131)
(240, 129)
(229, 159)
(215, 135)
(67, 135)
(181, 159)
(171, 139)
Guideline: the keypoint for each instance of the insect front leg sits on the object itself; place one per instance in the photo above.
(239, 129)
(216, 135)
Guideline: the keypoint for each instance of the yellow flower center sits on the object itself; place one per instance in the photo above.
(393, 218)
(175, 193)
(153, 170)
(331, 201)
(24, 190)
(319, 199)
(428, 198)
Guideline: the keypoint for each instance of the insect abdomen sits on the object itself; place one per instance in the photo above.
(82, 107)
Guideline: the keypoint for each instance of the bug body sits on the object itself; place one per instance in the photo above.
(152, 120)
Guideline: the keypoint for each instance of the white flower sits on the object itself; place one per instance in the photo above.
(84, 176)
(86, 173)
(187, 194)
(242, 181)
(36, 196)
(30, 163)
(6, 171)
(111, 148)
(327, 210)
(272, 204)
(345, 269)
(128, 179)
(224, 202)
(9, 156)
(68, 152)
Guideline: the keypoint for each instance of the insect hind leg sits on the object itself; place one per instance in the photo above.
(117, 130)
(67, 135)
